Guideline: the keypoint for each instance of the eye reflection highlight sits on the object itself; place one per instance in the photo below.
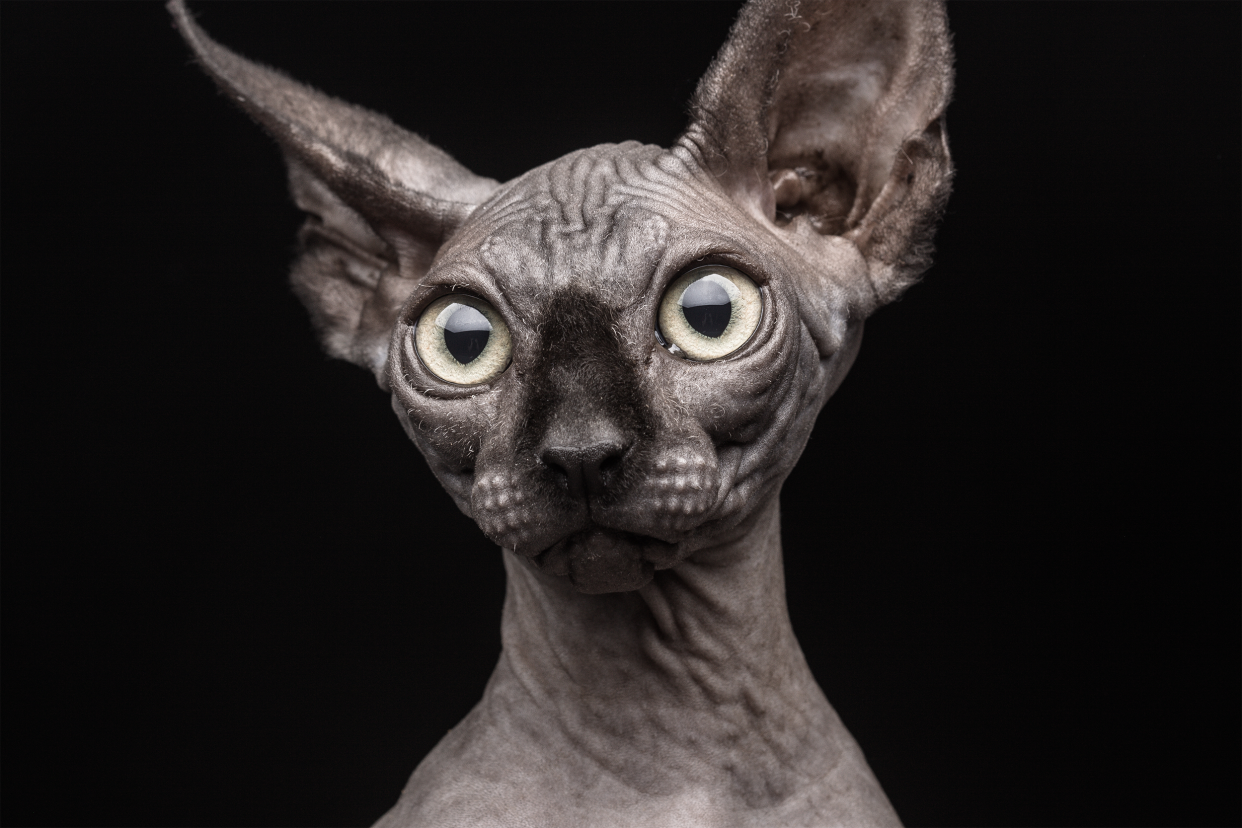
(462, 340)
(709, 312)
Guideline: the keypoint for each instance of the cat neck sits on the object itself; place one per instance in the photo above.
(687, 701)
(702, 656)
(706, 634)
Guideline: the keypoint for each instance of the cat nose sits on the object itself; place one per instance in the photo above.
(586, 469)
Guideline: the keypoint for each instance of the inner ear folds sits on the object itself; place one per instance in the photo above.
(895, 234)
(347, 275)
(858, 80)
(381, 200)
(823, 110)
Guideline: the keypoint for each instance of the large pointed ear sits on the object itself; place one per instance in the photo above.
(380, 200)
(831, 114)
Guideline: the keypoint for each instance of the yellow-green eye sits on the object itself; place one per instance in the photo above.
(463, 340)
(709, 312)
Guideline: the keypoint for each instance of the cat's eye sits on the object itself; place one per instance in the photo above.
(463, 340)
(709, 312)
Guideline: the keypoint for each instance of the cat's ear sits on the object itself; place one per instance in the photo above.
(380, 200)
(829, 117)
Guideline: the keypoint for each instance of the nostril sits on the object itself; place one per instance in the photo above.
(599, 465)
(566, 467)
(558, 459)
(584, 470)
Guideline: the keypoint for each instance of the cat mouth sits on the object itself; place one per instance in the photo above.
(596, 559)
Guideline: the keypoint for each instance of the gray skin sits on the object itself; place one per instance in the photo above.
(650, 675)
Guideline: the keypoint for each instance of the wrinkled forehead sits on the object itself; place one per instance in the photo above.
(606, 221)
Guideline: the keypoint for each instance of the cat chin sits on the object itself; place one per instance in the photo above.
(597, 560)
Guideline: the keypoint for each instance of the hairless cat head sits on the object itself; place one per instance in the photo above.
(615, 359)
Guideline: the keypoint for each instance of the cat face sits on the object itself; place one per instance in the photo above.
(595, 401)
(598, 454)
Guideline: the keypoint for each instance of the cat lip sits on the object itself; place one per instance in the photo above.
(594, 539)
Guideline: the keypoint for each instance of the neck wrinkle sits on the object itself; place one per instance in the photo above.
(693, 680)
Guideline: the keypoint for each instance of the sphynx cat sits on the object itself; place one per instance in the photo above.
(612, 363)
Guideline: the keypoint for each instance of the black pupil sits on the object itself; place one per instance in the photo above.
(707, 307)
(466, 333)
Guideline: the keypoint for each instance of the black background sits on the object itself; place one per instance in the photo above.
(235, 595)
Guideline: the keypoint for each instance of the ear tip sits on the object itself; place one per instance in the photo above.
(204, 48)
(183, 20)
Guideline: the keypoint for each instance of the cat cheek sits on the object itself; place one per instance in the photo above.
(740, 412)
(733, 400)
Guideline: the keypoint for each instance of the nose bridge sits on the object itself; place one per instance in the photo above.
(586, 404)
(583, 443)
(577, 420)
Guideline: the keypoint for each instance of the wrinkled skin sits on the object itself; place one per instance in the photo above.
(649, 674)
(702, 444)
